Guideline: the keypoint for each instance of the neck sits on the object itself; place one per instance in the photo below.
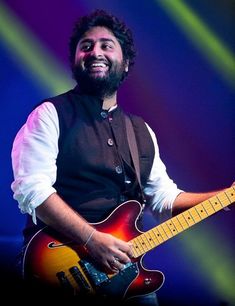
(109, 101)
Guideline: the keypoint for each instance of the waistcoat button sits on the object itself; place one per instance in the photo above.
(104, 114)
(118, 169)
(110, 142)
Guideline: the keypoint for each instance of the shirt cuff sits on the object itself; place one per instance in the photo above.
(30, 207)
(162, 210)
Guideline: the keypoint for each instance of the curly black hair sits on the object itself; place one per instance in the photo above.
(103, 19)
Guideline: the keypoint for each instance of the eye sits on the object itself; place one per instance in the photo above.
(107, 46)
(85, 47)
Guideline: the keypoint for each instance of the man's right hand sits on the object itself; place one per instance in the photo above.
(110, 253)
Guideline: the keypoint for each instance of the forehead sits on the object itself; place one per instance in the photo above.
(99, 33)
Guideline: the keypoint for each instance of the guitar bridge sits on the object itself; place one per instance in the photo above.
(95, 276)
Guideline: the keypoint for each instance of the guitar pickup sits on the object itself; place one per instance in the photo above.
(62, 278)
(80, 279)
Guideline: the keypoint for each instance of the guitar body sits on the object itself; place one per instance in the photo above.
(53, 260)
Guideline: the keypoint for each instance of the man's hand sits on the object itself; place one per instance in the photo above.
(109, 252)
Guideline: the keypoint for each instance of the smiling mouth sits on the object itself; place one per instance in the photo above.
(97, 67)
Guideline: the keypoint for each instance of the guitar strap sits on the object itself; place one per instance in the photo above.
(134, 154)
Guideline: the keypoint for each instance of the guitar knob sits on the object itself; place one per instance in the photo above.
(147, 281)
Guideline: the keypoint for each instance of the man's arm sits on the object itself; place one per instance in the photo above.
(102, 247)
(186, 200)
(34, 154)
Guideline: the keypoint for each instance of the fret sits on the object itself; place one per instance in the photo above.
(222, 200)
(172, 227)
(201, 211)
(188, 218)
(145, 242)
(208, 206)
(160, 234)
(137, 246)
(191, 215)
(161, 229)
(182, 221)
(230, 193)
(142, 243)
(152, 241)
(177, 224)
(157, 235)
(135, 250)
(166, 229)
(195, 215)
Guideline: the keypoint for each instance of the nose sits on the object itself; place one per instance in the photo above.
(96, 51)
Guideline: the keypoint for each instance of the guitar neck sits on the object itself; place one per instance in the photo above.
(170, 228)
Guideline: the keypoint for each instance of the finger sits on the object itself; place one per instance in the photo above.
(111, 270)
(127, 252)
(122, 257)
(126, 249)
(130, 252)
(116, 264)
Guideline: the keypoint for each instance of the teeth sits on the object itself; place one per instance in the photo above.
(98, 65)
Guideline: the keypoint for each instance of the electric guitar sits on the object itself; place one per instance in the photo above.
(57, 262)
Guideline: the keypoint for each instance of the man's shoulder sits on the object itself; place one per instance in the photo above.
(56, 99)
(136, 119)
(60, 97)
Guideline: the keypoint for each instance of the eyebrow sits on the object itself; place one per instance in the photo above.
(84, 40)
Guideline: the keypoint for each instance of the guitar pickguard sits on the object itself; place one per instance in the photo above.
(115, 285)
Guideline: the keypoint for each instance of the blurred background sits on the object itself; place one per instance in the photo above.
(183, 85)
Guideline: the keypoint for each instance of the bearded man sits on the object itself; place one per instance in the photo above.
(74, 170)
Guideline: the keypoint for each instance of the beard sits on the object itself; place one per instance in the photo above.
(100, 86)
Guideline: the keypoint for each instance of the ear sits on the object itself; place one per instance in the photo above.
(127, 66)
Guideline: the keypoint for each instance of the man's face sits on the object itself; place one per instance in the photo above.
(99, 65)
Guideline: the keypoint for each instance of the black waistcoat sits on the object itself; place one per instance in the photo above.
(94, 167)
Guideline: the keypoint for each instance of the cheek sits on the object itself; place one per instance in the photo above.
(76, 56)
(78, 60)
(117, 57)
(120, 54)
(120, 57)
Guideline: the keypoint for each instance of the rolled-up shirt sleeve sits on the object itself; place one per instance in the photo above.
(34, 153)
(160, 189)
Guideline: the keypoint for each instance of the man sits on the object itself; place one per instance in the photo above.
(71, 160)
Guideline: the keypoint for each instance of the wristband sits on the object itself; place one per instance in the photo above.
(89, 237)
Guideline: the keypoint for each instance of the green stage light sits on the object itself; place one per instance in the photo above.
(26, 50)
(214, 258)
(215, 50)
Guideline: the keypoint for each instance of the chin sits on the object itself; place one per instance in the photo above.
(98, 75)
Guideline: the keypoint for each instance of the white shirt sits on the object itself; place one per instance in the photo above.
(34, 154)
